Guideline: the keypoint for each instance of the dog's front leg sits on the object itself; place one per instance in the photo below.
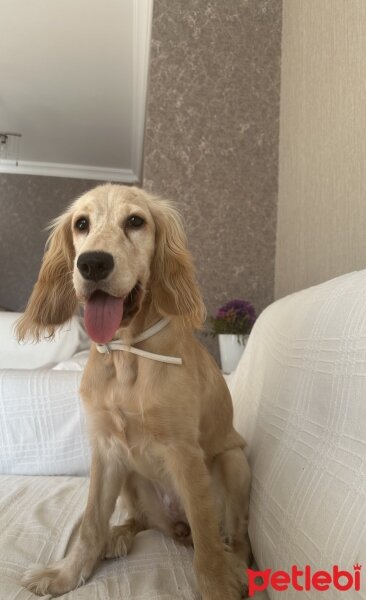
(68, 573)
(216, 577)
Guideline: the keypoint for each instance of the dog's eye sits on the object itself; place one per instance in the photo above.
(82, 224)
(135, 222)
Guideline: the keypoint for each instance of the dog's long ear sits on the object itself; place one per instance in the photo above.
(174, 286)
(53, 300)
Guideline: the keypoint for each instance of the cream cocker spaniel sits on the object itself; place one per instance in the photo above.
(159, 413)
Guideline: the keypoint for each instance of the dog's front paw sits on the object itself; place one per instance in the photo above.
(226, 578)
(120, 539)
(237, 574)
(54, 580)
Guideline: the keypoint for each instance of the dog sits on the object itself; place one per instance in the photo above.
(159, 413)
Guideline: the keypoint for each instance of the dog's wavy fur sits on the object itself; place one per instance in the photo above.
(162, 435)
(53, 300)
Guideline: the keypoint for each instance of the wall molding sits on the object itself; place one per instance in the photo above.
(142, 25)
(65, 170)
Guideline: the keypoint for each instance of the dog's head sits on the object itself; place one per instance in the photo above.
(113, 246)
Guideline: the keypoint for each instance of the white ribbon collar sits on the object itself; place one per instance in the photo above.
(148, 333)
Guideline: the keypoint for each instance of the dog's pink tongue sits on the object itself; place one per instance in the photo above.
(102, 316)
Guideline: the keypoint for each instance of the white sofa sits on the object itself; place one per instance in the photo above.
(299, 395)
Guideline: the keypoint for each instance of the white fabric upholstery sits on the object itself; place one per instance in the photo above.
(26, 355)
(42, 423)
(38, 516)
(300, 401)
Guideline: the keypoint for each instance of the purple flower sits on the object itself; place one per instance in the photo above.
(235, 317)
(236, 309)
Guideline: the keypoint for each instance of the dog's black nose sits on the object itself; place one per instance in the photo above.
(95, 265)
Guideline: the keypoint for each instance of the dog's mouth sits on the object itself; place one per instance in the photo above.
(104, 314)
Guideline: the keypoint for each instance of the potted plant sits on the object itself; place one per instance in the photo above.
(232, 324)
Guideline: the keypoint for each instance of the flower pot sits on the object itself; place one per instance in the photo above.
(231, 348)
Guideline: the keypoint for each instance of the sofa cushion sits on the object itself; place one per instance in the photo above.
(42, 426)
(40, 515)
(300, 401)
(70, 338)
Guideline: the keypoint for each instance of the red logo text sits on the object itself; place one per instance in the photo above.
(304, 579)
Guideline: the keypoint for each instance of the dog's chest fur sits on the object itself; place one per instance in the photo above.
(118, 418)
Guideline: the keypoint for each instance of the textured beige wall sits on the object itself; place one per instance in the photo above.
(27, 205)
(321, 219)
(212, 137)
